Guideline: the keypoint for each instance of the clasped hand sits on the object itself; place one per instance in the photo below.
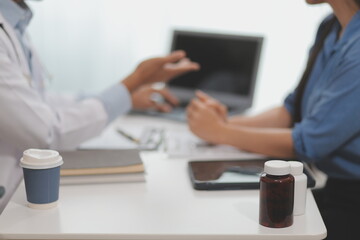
(206, 116)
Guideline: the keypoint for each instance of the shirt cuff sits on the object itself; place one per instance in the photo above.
(302, 150)
(289, 104)
(116, 101)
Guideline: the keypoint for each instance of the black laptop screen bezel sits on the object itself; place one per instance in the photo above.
(231, 100)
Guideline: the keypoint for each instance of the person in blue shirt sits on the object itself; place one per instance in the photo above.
(319, 123)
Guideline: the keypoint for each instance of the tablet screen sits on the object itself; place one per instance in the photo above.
(227, 171)
(231, 174)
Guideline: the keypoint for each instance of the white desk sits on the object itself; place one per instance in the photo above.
(163, 207)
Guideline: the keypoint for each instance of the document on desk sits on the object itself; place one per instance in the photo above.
(176, 143)
(126, 137)
(183, 144)
(110, 139)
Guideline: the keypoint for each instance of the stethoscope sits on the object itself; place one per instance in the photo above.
(47, 74)
(12, 43)
(2, 191)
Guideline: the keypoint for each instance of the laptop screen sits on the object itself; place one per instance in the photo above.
(229, 65)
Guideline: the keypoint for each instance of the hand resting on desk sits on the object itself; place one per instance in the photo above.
(143, 98)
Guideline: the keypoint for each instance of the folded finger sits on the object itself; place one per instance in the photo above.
(202, 96)
(163, 107)
(196, 104)
(168, 96)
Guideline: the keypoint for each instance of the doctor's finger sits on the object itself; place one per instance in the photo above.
(168, 96)
(164, 107)
(183, 66)
(174, 56)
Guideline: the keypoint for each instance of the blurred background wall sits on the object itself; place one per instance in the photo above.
(87, 45)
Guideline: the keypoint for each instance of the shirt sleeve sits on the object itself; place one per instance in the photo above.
(27, 121)
(116, 101)
(290, 99)
(289, 103)
(334, 116)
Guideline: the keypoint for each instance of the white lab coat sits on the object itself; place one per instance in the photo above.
(29, 118)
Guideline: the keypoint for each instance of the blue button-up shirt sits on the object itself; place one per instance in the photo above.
(329, 133)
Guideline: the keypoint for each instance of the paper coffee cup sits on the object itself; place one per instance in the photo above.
(42, 176)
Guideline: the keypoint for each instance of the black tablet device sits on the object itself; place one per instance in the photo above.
(230, 174)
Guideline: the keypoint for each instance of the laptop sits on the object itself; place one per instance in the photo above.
(229, 67)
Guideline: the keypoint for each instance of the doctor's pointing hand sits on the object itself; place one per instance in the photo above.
(160, 69)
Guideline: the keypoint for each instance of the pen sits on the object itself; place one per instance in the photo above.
(128, 136)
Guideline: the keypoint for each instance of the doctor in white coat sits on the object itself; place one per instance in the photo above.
(31, 118)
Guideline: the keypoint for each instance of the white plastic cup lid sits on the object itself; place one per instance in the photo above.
(40, 159)
(277, 167)
(297, 168)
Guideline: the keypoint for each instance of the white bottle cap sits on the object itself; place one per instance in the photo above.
(297, 168)
(277, 167)
(40, 159)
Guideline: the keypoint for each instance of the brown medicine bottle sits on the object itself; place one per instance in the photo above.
(276, 195)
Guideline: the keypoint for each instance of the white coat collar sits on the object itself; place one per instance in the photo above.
(18, 17)
(16, 47)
